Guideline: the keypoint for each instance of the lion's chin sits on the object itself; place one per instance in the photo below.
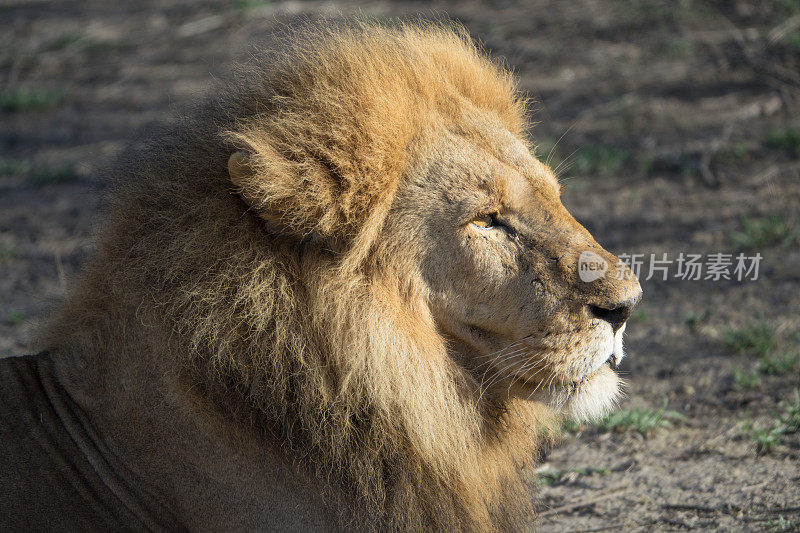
(593, 397)
(587, 400)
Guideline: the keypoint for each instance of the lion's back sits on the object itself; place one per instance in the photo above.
(46, 483)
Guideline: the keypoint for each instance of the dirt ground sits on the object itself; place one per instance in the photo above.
(679, 133)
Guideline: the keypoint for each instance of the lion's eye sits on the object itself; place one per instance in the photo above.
(485, 222)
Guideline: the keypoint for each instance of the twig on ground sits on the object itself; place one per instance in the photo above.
(779, 510)
(613, 493)
(782, 30)
(676, 522)
(777, 72)
(690, 507)
(725, 432)
(727, 508)
(601, 528)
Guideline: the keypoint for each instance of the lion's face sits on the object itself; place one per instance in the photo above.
(499, 255)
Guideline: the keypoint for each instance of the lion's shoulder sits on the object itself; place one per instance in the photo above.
(52, 475)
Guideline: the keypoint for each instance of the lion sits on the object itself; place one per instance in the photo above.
(342, 294)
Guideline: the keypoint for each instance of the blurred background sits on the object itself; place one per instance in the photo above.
(673, 124)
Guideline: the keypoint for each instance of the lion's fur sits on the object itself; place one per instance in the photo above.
(300, 323)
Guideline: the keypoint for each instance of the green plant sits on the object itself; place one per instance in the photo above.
(14, 167)
(740, 150)
(247, 5)
(680, 47)
(6, 252)
(765, 437)
(793, 39)
(647, 13)
(645, 163)
(643, 421)
(694, 320)
(782, 524)
(602, 160)
(763, 232)
(779, 364)
(548, 477)
(66, 39)
(791, 414)
(494, 29)
(759, 339)
(639, 316)
(52, 175)
(28, 99)
(788, 6)
(734, 154)
(788, 139)
(745, 380)
(16, 317)
(570, 425)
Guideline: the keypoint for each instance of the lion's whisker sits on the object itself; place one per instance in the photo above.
(500, 355)
(555, 145)
(503, 357)
(509, 346)
(506, 372)
(519, 373)
(544, 366)
(565, 164)
(517, 355)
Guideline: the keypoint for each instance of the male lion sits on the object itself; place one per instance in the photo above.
(342, 295)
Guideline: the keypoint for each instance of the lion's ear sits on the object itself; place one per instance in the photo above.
(239, 171)
(243, 177)
(256, 194)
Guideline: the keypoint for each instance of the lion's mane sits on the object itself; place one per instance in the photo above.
(299, 323)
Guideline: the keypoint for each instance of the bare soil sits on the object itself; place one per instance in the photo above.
(674, 120)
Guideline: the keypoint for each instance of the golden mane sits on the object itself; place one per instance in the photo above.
(299, 321)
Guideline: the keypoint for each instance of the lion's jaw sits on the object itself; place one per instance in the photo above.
(575, 376)
(505, 290)
(596, 387)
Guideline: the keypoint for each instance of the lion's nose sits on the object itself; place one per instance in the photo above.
(615, 315)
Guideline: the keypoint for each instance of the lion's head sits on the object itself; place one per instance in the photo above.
(355, 246)
(457, 206)
(499, 257)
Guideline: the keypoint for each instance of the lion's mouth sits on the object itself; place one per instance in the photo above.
(612, 362)
(576, 385)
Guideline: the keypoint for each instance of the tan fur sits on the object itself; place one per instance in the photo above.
(285, 285)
